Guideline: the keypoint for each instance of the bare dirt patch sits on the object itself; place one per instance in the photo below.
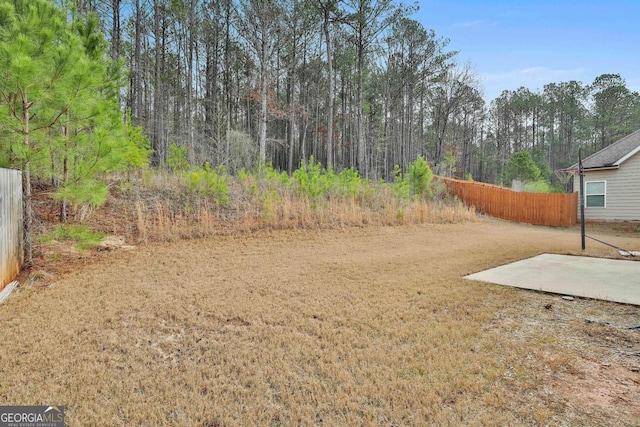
(361, 326)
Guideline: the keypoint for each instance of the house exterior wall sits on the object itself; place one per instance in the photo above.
(622, 192)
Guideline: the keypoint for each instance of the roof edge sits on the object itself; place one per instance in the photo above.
(628, 155)
(576, 169)
(601, 168)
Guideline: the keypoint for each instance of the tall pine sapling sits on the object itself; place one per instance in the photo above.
(35, 57)
(59, 115)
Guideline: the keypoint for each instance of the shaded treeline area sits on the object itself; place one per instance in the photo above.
(353, 83)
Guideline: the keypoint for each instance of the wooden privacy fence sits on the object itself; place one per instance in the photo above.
(552, 209)
(11, 243)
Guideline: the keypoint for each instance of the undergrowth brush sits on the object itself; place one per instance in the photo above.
(166, 206)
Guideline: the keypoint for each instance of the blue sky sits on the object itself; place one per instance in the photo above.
(530, 43)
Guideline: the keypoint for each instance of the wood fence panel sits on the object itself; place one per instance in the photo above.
(11, 237)
(552, 209)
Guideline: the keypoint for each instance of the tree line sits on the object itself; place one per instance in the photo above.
(354, 83)
(554, 123)
(88, 87)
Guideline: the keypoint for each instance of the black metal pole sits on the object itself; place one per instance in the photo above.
(582, 232)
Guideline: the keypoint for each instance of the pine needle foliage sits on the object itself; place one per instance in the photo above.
(60, 118)
(420, 176)
(79, 233)
(211, 182)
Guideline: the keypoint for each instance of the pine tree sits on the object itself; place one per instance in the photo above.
(58, 105)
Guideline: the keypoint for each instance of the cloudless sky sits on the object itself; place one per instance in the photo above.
(531, 43)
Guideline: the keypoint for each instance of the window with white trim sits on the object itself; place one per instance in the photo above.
(595, 194)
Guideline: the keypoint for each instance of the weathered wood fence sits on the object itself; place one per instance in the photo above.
(551, 209)
(11, 237)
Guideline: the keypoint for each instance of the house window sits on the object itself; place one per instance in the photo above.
(595, 192)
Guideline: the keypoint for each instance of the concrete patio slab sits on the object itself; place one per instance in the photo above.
(598, 278)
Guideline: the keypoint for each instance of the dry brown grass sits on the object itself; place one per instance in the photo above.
(161, 208)
(359, 326)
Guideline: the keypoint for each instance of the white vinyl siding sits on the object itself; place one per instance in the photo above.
(595, 192)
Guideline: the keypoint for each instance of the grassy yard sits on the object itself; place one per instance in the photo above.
(354, 327)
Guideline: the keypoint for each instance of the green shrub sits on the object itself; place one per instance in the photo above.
(522, 167)
(210, 182)
(84, 238)
(539, 186)
(349, 183)
(274, 177)
(312, 182)
(248, 180)
(178, 159)
(244, 175)
(419, 175)
(400, 187)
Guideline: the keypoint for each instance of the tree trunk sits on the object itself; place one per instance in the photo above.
(327, 36)
(362, 154)
(158, 122)
(189, 83)
(135, 94)
(292, 123)
(262, 141)
(65, 178)
(26, 185)
(115, 30)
